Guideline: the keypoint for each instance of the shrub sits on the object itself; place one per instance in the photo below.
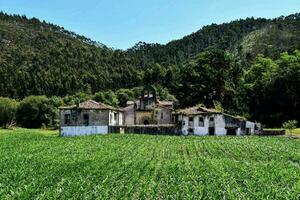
(108, 97)
(290, 125)
(8, 109)
(35, 111)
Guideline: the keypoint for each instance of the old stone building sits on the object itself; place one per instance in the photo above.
(202, 121)
(89, 117)
(149, 115)
(148, 109)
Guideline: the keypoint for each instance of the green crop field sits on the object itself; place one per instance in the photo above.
(37, 164)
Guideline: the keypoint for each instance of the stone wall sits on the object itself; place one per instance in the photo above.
(149, 129)
(272, 132)
(163, 115)
(96, 117)
(142, 116)
(129, 115)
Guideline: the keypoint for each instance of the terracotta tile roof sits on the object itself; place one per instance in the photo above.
(91, 105)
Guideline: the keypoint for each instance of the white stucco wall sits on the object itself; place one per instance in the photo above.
(83, 130)
(239, 131)
(250, 125)
(219, 124)
(121, 118)
(112, 120)
(116, 118)
(220, 131)
(201, 131)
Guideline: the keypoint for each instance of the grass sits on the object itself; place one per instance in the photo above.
(38, 164)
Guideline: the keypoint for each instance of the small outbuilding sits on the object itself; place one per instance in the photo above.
(89, 117)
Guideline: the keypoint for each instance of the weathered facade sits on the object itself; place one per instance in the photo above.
(148, 110)
(88, 118)
(202, 121)
(149, 115)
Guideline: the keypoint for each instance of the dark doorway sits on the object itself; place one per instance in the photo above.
(248, 131)
(146, 122)
(231, 131)
(211, 130)
(191, 131)
(86, 119)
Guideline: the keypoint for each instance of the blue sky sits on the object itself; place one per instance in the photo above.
(122, 23)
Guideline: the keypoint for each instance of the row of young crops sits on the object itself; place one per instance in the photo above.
(38, 164)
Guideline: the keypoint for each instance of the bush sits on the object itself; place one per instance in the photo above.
(108, 97)
(8, 109)
(35, 111)
(125, 95)
(290, 125)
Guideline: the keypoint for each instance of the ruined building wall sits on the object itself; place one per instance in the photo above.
(77, 117)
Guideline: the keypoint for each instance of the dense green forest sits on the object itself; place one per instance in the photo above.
(251, 67)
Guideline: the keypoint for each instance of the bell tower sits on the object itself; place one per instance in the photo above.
(148, 98)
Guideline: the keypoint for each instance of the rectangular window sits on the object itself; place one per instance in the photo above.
(161, 115)
(191, 121)
(156, 114)
(74, 116)
(201, 122)
(211, 122)
(67, 119)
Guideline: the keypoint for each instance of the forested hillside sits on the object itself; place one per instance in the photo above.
(245, 38)
(39, 58)
(239, 65)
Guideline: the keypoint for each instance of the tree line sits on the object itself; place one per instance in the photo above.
(250, 67)
(43, 111)
(268, 91)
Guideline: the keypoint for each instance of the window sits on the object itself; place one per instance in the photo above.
(67, 119)
(191, 121)
(111, 118)
(86, 119)
(211, 119)
(161, 115)
(115, 116)
(74, 116)
(201, 122)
